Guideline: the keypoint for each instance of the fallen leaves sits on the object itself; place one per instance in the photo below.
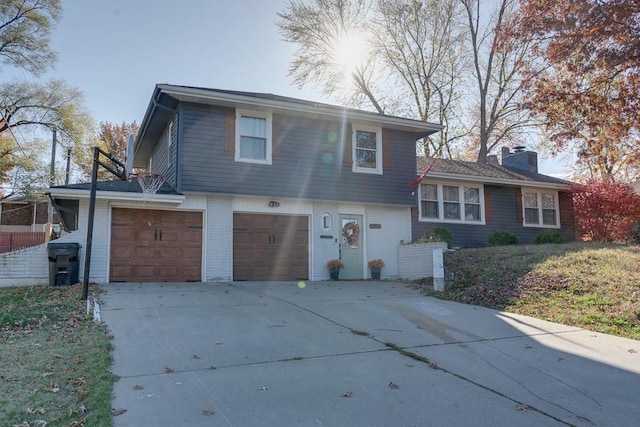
(393, 385)
(53, 387)
(168, 369)
(82, 395)
(138, 387)
(263, 388)
(347, 394)
(115, 412)
(208, 412)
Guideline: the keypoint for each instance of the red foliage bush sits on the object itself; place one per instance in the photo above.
(606, 210)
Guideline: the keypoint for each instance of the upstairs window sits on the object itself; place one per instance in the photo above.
(253, 137)
(451, 203)
(540, 209)
(367, 149)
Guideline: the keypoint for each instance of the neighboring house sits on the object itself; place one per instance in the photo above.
(23, 222)
(259, 187)
(23, 214)
(475, 200)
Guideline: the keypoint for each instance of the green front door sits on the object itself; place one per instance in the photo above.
(351, 252)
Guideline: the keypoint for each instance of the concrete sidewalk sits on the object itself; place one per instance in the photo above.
(354, 354)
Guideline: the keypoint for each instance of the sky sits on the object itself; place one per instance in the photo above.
(116, 51)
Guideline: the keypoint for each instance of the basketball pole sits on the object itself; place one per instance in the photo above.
(118, 169)
(90, 217)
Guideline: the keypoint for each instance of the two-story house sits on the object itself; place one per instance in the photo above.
(258, 187)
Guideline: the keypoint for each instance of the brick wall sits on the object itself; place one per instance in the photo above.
(219, 239)
(17, 214)
(28, 266)
(22, 213)
(416, 261)
(386, 227)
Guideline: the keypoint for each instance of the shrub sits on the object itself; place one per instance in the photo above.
(549, 236)
(606, 210)
(502, 238)
(437, 234)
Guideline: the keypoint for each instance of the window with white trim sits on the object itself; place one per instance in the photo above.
(540, 208)
(439, 202)
(367, 149)
(253, 137)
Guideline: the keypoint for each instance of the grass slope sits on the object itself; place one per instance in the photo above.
(593, 286)
(55, 360)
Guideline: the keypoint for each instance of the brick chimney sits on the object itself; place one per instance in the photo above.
(520, 159)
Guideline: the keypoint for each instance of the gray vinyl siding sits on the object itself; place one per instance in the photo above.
(307, 162)
(503, 216)
(164, 155)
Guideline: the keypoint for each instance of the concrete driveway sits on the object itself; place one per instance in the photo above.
(354, 354)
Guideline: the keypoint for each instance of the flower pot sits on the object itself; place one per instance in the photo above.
(334, 274)
(375, 273)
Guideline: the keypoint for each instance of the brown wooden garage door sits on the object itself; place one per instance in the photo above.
(270, 247)
(155, 246)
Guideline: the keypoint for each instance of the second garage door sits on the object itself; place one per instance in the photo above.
(270, 247)
(155, 246)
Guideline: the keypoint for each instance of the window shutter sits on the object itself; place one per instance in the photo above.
(386, 150)
(487, 204)
(348, 146)
(230, 132)
(520, 216)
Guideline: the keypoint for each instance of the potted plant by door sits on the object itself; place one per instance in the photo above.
(375, 265)
(334, 267)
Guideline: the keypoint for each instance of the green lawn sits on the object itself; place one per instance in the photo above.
(55, 360)
(590, 285)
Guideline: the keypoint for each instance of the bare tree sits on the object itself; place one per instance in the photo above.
(319, 29)
(420, 55)
(496, 71)
(422, 48)
(413, 63)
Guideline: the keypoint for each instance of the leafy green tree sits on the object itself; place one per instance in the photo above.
(52, 105)
(19, 172)
(25, 29)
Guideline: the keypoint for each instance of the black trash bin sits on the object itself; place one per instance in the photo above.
(63, 263)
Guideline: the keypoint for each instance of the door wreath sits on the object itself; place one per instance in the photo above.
(350, 233)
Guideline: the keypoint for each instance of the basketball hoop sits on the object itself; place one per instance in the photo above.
(150, 184)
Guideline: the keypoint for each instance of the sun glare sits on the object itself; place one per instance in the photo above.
(350, 51)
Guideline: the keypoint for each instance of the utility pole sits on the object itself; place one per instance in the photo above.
(52, 176)
(66, 175)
